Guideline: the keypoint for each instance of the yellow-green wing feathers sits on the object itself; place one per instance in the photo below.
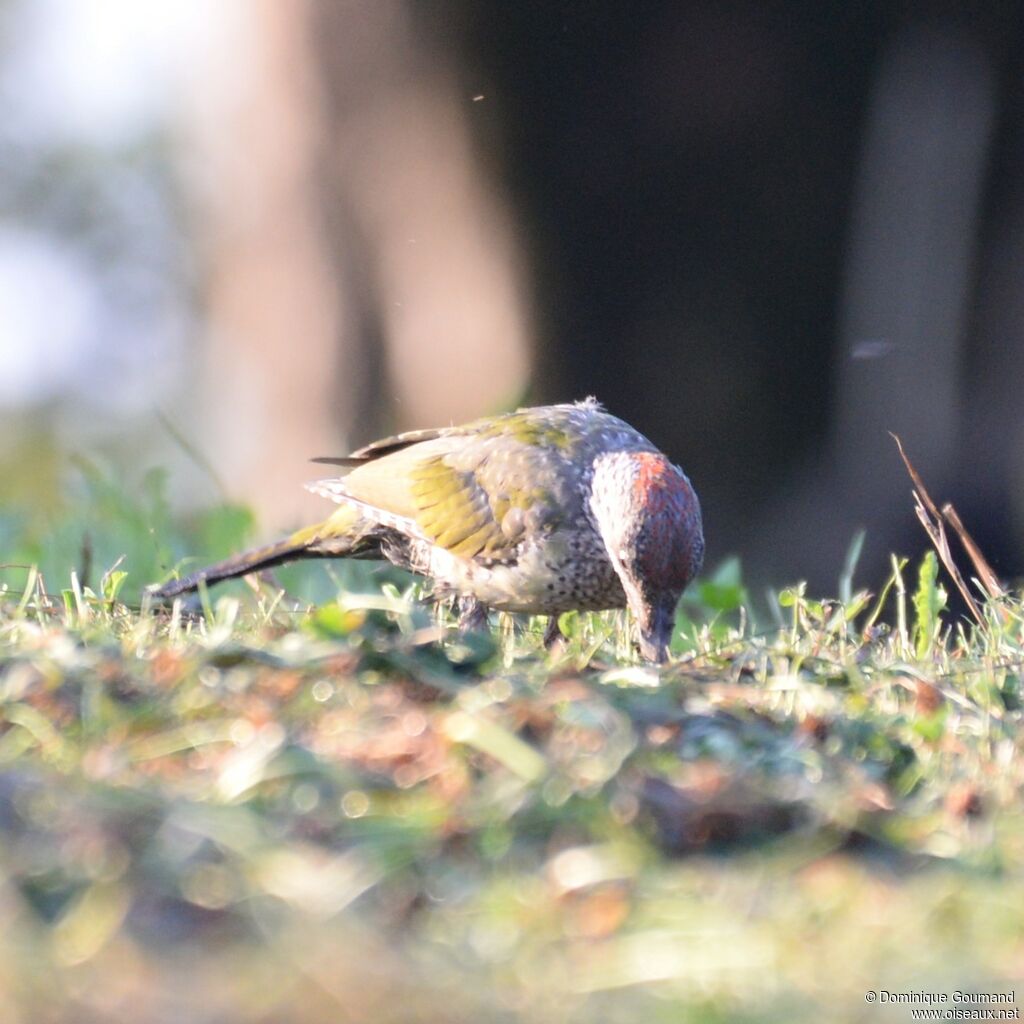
(453, 510)
(467, 493)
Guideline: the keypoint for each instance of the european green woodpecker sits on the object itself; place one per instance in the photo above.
(543, 510)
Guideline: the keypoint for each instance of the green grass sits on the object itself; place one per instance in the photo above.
(265, 811)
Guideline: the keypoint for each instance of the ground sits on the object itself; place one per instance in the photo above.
(266, 810)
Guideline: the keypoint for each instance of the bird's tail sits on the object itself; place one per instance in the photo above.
(339, 536)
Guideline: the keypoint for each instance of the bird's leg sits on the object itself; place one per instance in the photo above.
(552, 634)
(472, 615)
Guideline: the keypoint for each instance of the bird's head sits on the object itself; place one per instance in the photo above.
(650, 521)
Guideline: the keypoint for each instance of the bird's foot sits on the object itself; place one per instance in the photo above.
(472, 615)
(553, 638)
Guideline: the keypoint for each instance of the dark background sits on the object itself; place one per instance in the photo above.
(690, 173)
(766, 234)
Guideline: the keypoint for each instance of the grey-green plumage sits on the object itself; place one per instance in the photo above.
(542, 510)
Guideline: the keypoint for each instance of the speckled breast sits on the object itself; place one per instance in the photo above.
(564, 571)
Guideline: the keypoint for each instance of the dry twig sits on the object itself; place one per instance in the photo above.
(934, 522)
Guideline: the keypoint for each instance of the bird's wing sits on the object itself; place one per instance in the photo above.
(385, 446)
(476, 496)
(555, 428)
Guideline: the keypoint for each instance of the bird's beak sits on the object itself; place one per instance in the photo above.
(656, 623)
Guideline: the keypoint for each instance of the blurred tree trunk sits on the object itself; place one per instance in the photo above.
(363, 272)
(905, 305)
